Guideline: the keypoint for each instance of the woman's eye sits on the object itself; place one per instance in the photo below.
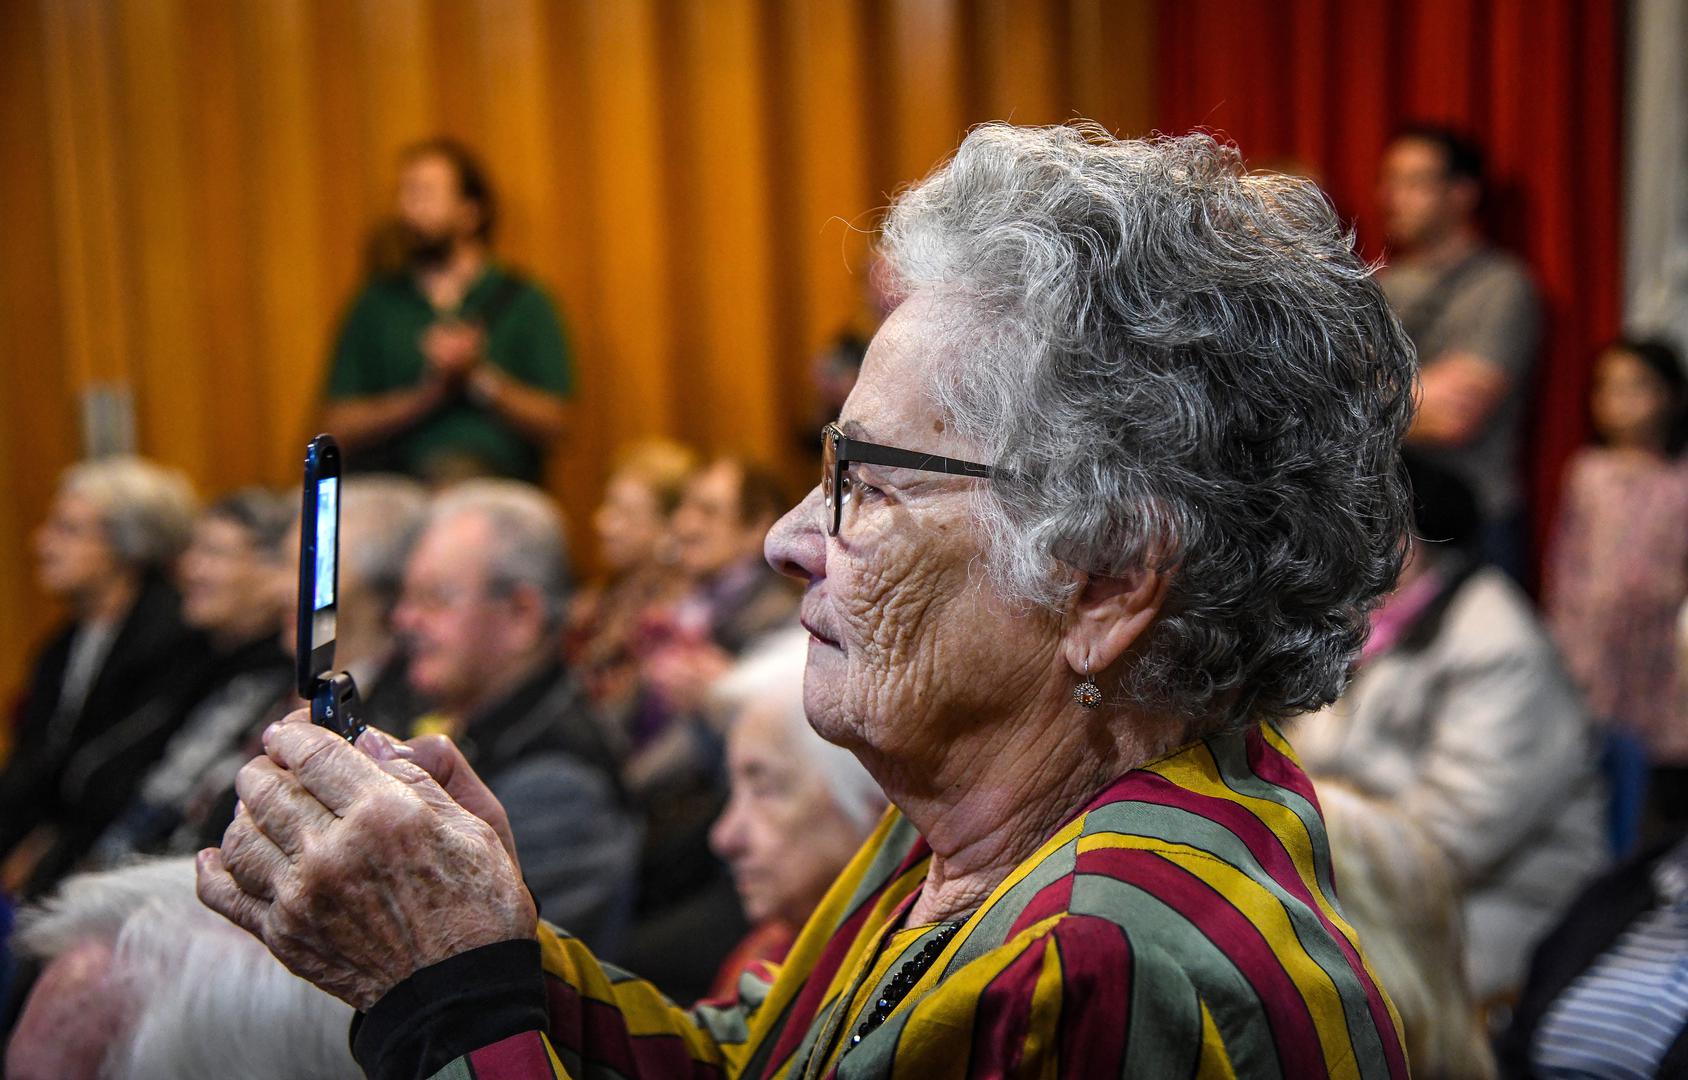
(856, 489)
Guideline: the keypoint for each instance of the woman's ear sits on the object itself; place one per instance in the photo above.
(1108, 615)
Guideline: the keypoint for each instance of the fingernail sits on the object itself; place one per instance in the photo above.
(383, 747)
(269, 732)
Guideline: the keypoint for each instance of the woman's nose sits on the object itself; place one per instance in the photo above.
(796, 545)
(725, 836)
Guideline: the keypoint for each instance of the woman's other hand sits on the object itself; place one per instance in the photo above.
(357, 872)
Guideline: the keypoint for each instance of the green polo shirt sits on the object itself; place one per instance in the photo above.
(379, 351)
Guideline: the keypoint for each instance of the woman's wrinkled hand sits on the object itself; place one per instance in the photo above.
(443, 761)
(357, 870)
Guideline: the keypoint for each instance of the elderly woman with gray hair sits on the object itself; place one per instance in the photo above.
(121, 660)
(800, 806)
(1115, 492)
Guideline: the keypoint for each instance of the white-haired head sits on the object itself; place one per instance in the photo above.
(1176, 365)
(147, 508)
(187, 994)
(771, 675)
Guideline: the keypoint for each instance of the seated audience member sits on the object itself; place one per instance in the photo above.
(634, 526)
(725, 512)
(800, 806)
(734, 598)
(235, 589)
(1461, 717)
(676, 770)
(1617, 573)
(1605, 995)
(1104, 860)
(141, 982)
(1400, 894)
(106, 550)
(481, 616)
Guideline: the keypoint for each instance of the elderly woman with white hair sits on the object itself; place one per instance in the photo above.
(1114, 493)
(799, 808)
(107, 551)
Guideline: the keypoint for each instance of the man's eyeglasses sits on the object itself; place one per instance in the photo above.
(839, 451)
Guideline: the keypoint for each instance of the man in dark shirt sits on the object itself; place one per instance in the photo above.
(453, 367)
(481, 615)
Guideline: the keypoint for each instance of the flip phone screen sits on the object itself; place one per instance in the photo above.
(327, 560)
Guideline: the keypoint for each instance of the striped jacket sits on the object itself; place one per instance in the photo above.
(1183, 924)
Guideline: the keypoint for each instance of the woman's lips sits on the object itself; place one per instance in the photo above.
(817, 634)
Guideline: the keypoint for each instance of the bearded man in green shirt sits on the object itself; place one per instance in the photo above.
(453, 366)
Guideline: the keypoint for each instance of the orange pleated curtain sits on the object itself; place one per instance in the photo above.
(186, 187)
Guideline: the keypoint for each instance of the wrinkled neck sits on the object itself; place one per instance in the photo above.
(997, 799)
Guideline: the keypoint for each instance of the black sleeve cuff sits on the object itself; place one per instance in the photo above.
(451, 1008)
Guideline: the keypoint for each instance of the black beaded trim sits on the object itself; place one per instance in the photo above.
(903, 981)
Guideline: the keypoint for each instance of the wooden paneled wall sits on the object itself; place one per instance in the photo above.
(186, 187)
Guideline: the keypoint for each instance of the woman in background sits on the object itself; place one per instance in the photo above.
(106, 551)
(1461, 716)
(637, 552)
(800, 806)
(236, 588)
(1617, 575)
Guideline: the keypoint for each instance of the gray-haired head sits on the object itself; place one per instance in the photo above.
(771, 674)
(380, 519)
(201, 998)
(148, 509)
(530, 550)
(1182, 366)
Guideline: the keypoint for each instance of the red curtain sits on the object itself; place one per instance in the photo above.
(1538, 83)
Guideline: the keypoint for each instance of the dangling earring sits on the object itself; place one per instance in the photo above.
(1087, 694)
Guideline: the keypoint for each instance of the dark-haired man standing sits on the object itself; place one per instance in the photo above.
(452, 367)
(1473, 314)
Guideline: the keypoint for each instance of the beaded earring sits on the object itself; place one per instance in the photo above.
(1087, 693)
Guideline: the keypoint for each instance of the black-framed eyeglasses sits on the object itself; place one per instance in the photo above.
(839, 451)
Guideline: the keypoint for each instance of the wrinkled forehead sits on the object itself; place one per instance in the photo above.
(925, 340)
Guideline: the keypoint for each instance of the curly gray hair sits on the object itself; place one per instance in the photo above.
(1181, 366)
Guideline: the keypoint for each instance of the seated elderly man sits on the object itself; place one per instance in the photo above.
(141, 983)
(1114, 493)
(481, 616)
